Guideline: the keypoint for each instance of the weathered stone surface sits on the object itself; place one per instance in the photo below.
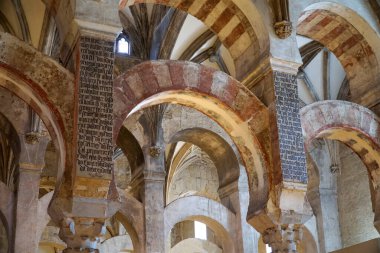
(130, 90)
(231, 25)
(292, 153)
(350, 45)
(218, 217)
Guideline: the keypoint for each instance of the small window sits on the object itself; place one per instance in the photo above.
(123, 45)
(200, 230)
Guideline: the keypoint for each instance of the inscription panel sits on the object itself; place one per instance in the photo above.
(95, 108)
(292, 152)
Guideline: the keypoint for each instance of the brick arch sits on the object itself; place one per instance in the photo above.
(37, 80)
(355, 126)
(211, 92)
(352, 40)
(243, 37)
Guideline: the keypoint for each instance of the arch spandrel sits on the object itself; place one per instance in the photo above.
(211, 92)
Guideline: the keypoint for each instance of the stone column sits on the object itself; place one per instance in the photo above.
(283, 239)
(30, 168)
(229, 196)
(153, 199)
(27, 207)
(322, 195)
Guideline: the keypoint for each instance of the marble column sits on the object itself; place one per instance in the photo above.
(30, 167)
(230, 197)
(153, 199)
(27, 208)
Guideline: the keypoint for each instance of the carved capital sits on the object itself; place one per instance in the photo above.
(155, 151)
(283, 238)
(81, 234)
(32, 138)
(283, 29)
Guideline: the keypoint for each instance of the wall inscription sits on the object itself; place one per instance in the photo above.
(292, 153)
(95, 108)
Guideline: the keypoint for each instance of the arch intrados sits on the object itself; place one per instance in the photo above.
(351, 39)
(130, 230)
(223, 99)
(131, 148)
(354, 125)
(193, 208)
(350, 137)
(36, 98)
(216, 148)
(245, 34)
(197, 101)
(11, 134)
(352, 18)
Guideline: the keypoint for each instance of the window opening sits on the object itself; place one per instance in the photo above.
(200, 230)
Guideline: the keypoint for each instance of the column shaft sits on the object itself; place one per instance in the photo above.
(27, 209)
(154, 201)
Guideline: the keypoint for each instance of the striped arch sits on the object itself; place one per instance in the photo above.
(355, 126)
(352, 124)
(223, 99)
(38, 80)
(243, 37)
(352, 41)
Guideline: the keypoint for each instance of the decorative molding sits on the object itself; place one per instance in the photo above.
(101, 31)
(155, 151)
(281, 65)
(32, 138)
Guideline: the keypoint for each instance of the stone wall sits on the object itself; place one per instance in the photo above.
(354, 200)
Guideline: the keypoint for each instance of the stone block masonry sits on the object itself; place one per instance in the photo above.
(95, 108)
(292, 153)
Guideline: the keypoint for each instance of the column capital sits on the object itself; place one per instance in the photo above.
(81, 234)
(283, 238)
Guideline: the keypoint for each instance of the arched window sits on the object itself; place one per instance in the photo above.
(123, 45)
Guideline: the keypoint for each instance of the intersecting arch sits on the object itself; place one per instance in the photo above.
(352, 124)
(351, 39)
(238, 25)
(31, 76)
(211, 92)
